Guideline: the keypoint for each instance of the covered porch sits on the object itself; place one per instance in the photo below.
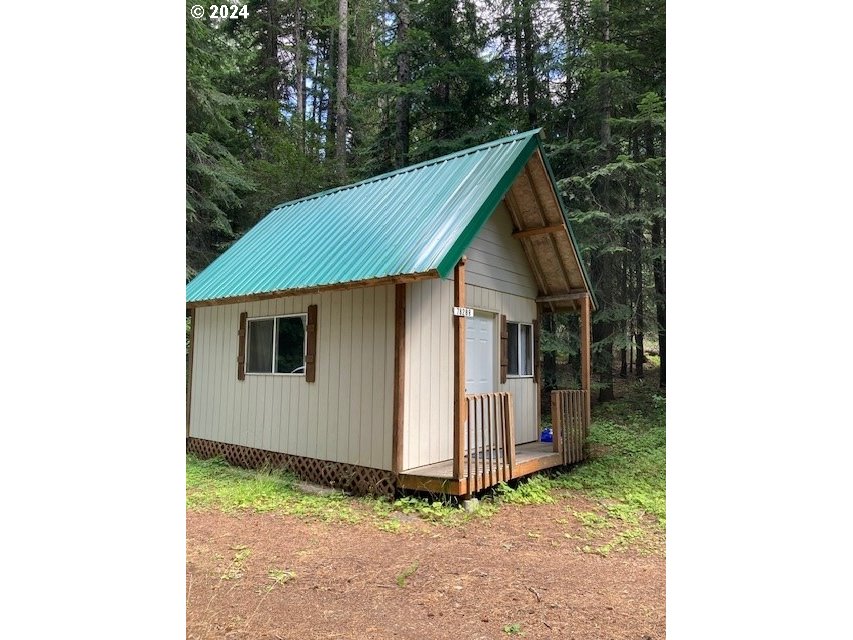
(491, 456)
(484, 447)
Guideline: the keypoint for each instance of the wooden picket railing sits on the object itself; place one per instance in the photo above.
(490, 439)
(570, 424)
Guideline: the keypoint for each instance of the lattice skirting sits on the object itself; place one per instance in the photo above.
(340, 475)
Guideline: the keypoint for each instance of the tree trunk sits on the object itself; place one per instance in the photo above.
(341, 97)
(519, 58)
(446, 121)
(318, 84)
(529, 66)
(639, 322)
(602, 360)
(626, 329)
(331, 120)
(637, 252)
(403, 78)
(660, 293)
(299, 67)
(601, 266)
(269, 61)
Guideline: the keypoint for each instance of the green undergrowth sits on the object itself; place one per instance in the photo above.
(214, 484)
(625, 479)
(626, 474)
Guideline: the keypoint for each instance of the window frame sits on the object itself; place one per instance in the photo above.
(275, 344)
(518, 324)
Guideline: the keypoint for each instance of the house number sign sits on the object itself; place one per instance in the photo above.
(465, 312)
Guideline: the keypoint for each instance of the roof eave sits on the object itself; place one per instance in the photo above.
(564, 210)
(336, 286)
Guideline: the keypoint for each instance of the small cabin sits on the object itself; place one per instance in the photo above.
(385, 335)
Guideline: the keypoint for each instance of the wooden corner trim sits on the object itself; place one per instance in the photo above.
(399, 376)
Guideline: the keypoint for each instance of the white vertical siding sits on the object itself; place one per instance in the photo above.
(344, 416)
(496, 260)
(428, 392)
(525, 392)
(498, 279)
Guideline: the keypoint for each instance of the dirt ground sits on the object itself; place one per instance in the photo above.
(519, 573)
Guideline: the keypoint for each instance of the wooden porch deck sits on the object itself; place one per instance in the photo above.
(438, 477)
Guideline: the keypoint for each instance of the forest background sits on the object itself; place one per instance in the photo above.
(291, 97)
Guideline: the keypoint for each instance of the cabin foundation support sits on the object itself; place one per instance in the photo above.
(339, 475)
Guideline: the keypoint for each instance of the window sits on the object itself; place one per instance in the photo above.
(519, 349)
(277, 345)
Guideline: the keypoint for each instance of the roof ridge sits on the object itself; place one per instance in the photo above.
(390, 174)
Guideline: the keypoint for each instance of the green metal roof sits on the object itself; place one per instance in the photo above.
(419, 219)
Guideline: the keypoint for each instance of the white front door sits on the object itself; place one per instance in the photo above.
(480, 354)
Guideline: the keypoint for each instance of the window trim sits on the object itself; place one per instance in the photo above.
(521, 376)
(275, 344)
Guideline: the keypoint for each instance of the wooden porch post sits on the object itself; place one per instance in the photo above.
(460, 413)
(191, 316)
(586, 347)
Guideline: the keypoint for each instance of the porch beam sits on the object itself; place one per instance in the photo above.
(586, 349)
(577, 294)
(459, 405)
(552, 228)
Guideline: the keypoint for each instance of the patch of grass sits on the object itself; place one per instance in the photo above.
(214, 484)
(628, 474)
(513, 629)
(626, 477)
(407, 573)
(390, 526)
(591, 519)
(234, 569)
(281, 576)
(536, 490)
(433, 511)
